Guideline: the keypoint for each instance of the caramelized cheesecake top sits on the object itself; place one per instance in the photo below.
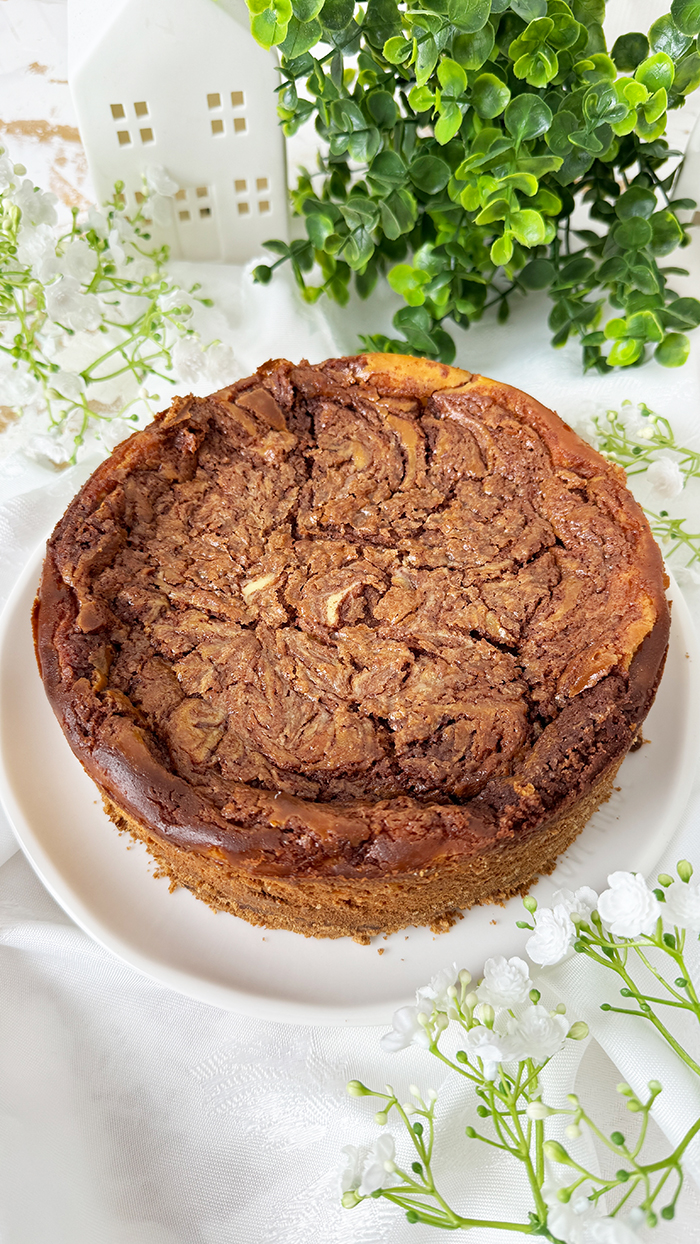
(352, 616)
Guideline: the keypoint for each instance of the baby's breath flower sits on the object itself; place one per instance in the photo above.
(506, 981)
(628, 908)
(551, 940)
(68, 305)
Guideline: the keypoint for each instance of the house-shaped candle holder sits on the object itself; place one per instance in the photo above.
(182, 84)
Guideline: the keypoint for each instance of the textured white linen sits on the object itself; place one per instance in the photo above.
(132, 1115)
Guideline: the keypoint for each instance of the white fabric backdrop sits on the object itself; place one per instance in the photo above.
(131, 1115)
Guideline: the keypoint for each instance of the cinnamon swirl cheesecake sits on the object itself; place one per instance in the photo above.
(356, 645)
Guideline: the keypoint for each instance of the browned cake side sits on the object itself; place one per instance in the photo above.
(354, 645)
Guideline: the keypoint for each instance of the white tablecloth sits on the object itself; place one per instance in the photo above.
(132, 1115)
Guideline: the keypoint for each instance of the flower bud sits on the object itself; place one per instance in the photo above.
(465, 977)
(389, 1090)
(572, 1099)
(381, 1118)
(624, 1089)
(415, 1091)
(407, 1107)
(471, 1000)
(564, 1195)
(487, 1015)
(665, 880)
(452, 992)
(423, 1019)
(530, 904)
(432, 1094)
(390, 1167)
(441, 1022)
(654, 1087)
(573, 1131)
(534, 996)
(560, 1009)
(634, 1106)
(578, 1031)
(684, 869)
(556, 1152)
(350, 1199)
(355, 1088)
(537, 1110)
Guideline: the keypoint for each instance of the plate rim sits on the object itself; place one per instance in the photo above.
(228, 997)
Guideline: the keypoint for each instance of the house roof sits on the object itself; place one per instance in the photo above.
(90, 21)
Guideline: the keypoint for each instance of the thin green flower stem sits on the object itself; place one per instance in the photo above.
(539, 1151)
(617, 966)
(527, 1161)
(456, 1222)
(677, 1152)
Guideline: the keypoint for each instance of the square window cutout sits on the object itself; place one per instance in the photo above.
(264, 205)
(205, 211)
(214, 100)
(141, 109)
(184, 215)
(241, 185)
(243, 209)
(117, 111)
(217, 127)
(239, 125)
(237, 100)
(202, 192)
(261, 183)
(124, 138)
(180, 195)
(146, 135)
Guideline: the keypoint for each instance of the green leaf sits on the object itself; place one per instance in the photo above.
(471, 51)
(408, 282)
(589, 11)
(686, 15)
(383, 109)
(489, 95)
(426, 58)
(397, 50)
(667, 233)
(673, 350)
(306, 10)
(502, 250)
(586, 140)
(421, 98)
(645, 326)
(602, 68)
(452, 77)
(633, 234)
(529, 10)
(266, 29)
(415, 323)
(537, 68)
(448, 122)
(364, 144)
(615, 329)
(656, 106)
(301, 36)
(630, 50)
(539, 166)
(382, 22)
(387, 170)
(687, 77)
(656, 72)
(684, 311)
(429, 173)
(528, 227)
(398, 213)
(637, 201)
(625, 351)
(337, 14)
(469, 15)
(563, 124)
(537, 274)
(527, 117)
(664, 36)
(522, 181)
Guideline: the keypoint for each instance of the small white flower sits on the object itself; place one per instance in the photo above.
(682, 906)
(172, 298)
(98, 223)
(491, 1047)
(159, 209)
(222, 367)
(607, 1231)
(159, 180)
(351, 1175)
(17, 384)
(406, 1030)
(506, 982)
(434, 997)
(552, 938)
(67, 304)
(68, 384)
(582, 902)
(537, 1035)
(116, 249)
(374, 1173)
(37, 206)
(189, 359)
(78, 260)
(566, 1220)
(628, 908)
(36, 247)
(7, 174)
(666, 478)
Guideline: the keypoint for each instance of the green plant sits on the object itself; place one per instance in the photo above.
(459, 136)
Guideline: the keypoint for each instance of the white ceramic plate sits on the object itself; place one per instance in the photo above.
(107, 886)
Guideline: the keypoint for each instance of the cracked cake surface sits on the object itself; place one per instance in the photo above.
(357, 619)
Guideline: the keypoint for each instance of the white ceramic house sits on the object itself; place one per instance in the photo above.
(183, 84)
